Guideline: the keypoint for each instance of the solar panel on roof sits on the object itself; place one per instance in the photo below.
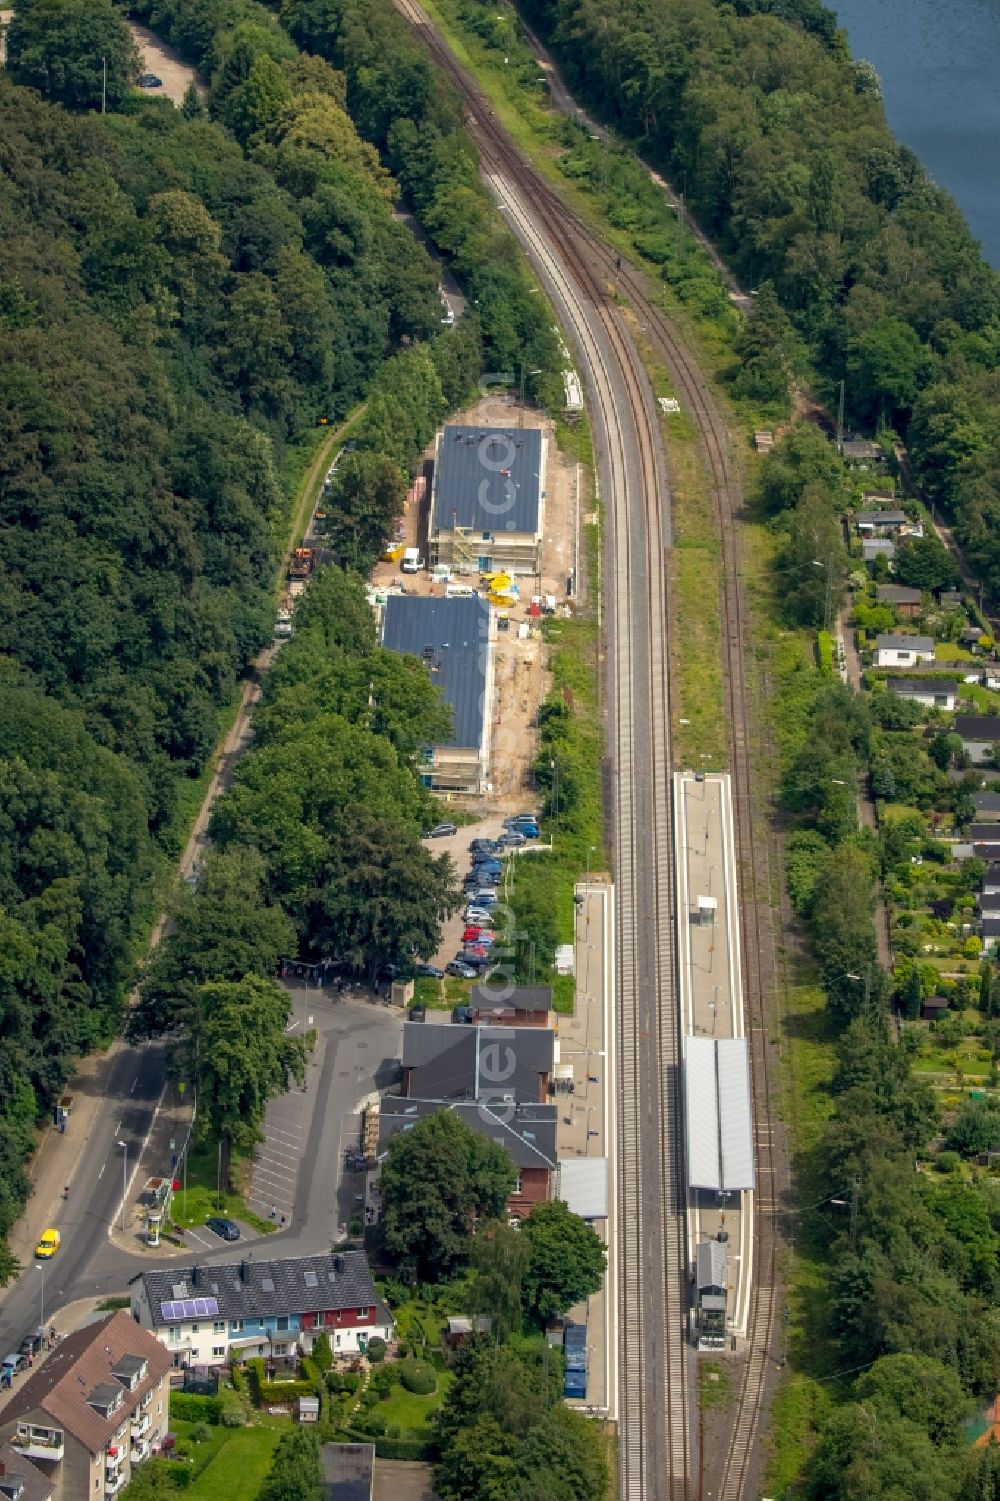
(189, 1308)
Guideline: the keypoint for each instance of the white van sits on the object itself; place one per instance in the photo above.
(412, 561)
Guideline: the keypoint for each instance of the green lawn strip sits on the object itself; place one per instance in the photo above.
(201, 1200)
(239, 1467)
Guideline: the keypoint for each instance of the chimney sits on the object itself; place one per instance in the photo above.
(195, 1275)
(338, 1263)
(244, 1269)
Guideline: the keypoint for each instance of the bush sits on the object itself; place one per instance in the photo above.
(376, 1350)
(321, 1352)
(199, 1433)
(351, 1381)
(234, 1410)
(384, 1379)
(194, 1409)
(238, 1376)
(947, 1162)
(418, 1377)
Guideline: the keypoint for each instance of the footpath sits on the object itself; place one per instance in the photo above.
(586, 1120)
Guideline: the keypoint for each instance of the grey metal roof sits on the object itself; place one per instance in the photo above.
(258, 1288)
(985, 727)
(711, 1264)
(986, 802)
(451, 636)
(989, 901)
(890, 641)
(527, 1131)
(984, 833)
(909, 687)
(488, 479)
(496, 997)
(456, 1062)
(990, 925)
(583, 1185)
(717, 1113)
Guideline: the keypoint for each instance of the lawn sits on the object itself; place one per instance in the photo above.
(410, 1413)
(230, 1464)
(950, 651)
(239, 1466)
(200, 1201)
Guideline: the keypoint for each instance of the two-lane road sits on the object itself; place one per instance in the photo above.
(85, 1263)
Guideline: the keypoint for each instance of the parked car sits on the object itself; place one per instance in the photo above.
(441, 830)
(487, 862)
(225, 1229)
(483, 898)
(475, 953)
(13, 1365)
(516, 818)
(30, 1345)
(485, 847)
(150, 81)
(48, 1244)
(477, 914)
(529, 830)
(514, 839)
(428, 971)
(462, 970)
(462, 1014)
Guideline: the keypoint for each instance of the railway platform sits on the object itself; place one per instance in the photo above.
(720, 1176)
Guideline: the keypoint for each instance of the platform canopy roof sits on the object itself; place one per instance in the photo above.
(718, 1115)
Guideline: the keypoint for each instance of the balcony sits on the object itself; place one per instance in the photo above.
(40, 1444)
(140, 1425)
(114, 1483)
(140, 1451)
(114, 1456)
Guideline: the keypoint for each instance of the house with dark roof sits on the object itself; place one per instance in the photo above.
(455, 1063)
(879, 523)
(487, 510)
(906, 602)
(210, 1315)
(987, 806)
(20, 1480)
(506, 1005)
(989, 929)
(454, 640)
(877, 547)
(980, 733)
(93, 1410)
(862, 451)
(933, 693)
(893, 650)
(496, 1080)
(527, 1131)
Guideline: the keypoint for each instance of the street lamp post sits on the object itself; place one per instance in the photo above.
(41, 1302)
(124, 1147)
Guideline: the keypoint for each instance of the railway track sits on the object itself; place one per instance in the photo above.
(657, 1456)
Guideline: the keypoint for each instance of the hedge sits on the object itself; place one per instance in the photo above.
(394, 1448)
(195, 1409)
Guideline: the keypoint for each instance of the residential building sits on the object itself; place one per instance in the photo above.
(902, 651)
(991, 880)
(989, 927)
(454, 638)
(879, 523)
(980, 734)
(210, 1315)
(877, 547)
(512, 1005)
(482, 1065)
(950, 598)
(906, 602)
(93, 1410)
(527, 1131)
(985, 836)
(20, 1480)
(862, 451)
(933, 1007)
(987, 806)
(487, 509)
(348, 1471)
(933, 693)
(988, 901)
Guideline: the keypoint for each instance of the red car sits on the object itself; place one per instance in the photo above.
(471, 935)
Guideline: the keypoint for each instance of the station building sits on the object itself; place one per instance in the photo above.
(487, 509)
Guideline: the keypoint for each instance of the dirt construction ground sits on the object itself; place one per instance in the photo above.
(521, 676)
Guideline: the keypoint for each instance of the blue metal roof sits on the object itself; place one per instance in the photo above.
(452, 637)
(488, 479)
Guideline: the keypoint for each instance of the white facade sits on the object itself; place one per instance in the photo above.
(903, 651)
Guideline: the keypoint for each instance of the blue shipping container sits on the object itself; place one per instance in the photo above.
(575, 1384)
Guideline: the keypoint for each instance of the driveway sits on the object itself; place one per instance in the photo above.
(457, 846)
(162, 60)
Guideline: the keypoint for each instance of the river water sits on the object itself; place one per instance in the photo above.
(939, 61)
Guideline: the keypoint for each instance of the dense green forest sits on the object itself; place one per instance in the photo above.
(184, 294)
(777, 139)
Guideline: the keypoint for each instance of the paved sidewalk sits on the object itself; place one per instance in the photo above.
(161, 1152)
(586, 1126)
